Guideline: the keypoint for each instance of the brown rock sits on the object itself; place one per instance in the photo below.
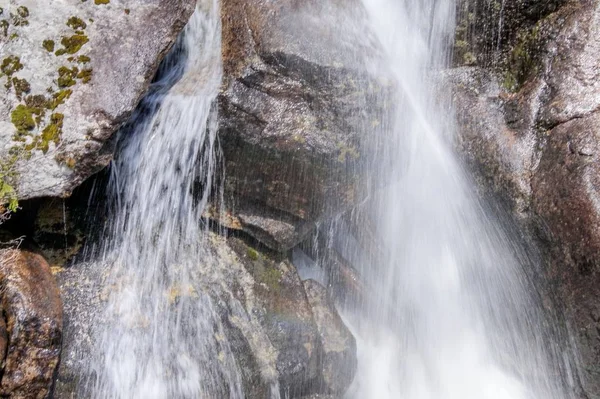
(33, 313)
(566, 197)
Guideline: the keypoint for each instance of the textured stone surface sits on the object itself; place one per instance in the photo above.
(338, 357)
(530, 131)
(298, 111)
(116, 48)
(31, 327)
(263, 307)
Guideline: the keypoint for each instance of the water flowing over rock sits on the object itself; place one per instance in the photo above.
(30, 326)
(299, 111)
(74, 71)
(529, 128)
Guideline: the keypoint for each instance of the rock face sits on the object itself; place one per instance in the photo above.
(529, 127)
(31, 326)
(73, 74)
(338, 357)
(298, 112)
(316, 354)
(285, 335)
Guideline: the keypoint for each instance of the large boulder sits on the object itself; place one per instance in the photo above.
(529, 128)
(30, 326)
(73, 73)
(299, 112)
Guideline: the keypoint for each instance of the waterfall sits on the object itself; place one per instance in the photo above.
(161, 336)
(452, 315)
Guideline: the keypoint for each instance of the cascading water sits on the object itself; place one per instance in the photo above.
(451, 314)
(161, 334)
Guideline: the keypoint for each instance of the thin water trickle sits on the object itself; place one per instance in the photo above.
(160, 337)
(452, 315)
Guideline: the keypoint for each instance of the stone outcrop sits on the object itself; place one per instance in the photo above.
(30, 326)
(299, 113)
(73, 73)
(338, 347)
(283, 331)
(528, 125)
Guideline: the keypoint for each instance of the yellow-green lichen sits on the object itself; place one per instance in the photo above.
(22, 118)
(8, 195)
(51, 133)
(252, 253)
(48, 45)
(71, 44)
(10, 65)
(83, 59)
(85, 75)
(66, 76)
(59, 97)
(76, 23)
(98, 2)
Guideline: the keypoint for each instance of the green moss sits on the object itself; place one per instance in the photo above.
(98, 2)
(66, 76)
(59, 97)
(85, 75)
(522, 60)
(13, 36)
(76, 23)
(22, 118)
(72, 44)
(4, 27)
(48, 45)
(21, 87)
(252, 253)
(10, 65)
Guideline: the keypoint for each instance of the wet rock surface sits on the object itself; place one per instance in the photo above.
(338, 357)
(281, 333)
(31, 326)
(529, 130)
(295, 108)
(73, 73)
(316, 353)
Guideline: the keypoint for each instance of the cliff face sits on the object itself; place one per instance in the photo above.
(528, 127)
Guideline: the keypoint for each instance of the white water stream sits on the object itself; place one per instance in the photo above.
(453, 315)
(450, 317)
(161, 337)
